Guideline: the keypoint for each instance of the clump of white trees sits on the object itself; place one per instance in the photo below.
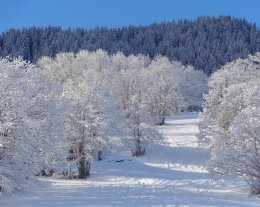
(30, 123)
(62, 112)
(231, 120)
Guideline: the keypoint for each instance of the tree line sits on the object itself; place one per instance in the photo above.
(206, 43)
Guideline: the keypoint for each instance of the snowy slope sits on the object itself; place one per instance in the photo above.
(171, 174)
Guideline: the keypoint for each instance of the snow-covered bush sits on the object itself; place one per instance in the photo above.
(231, 116)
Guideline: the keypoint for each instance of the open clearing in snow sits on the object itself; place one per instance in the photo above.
(171, 174)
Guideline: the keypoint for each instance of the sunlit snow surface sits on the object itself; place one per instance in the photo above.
(171, 174)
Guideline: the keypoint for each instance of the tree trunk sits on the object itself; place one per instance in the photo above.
(161, 121)
(139, 149)
(83, 168)
(100, 155)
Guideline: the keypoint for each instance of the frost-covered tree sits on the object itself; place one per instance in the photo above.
(172, 87)
(231, 114)
(29, 134)
(141, 131)
(87, 117)
(192, 86)
(131, 93)
(162, 95)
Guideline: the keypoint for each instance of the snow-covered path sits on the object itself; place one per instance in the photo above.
(171, 174)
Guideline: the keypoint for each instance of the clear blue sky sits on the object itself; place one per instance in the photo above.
(117, 13)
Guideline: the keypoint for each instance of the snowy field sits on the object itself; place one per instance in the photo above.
(172, 174)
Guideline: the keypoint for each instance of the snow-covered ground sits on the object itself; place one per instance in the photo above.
(171, 174)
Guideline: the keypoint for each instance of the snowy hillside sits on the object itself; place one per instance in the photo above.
(171, 174)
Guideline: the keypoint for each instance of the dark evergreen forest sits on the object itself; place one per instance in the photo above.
(206, 43)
